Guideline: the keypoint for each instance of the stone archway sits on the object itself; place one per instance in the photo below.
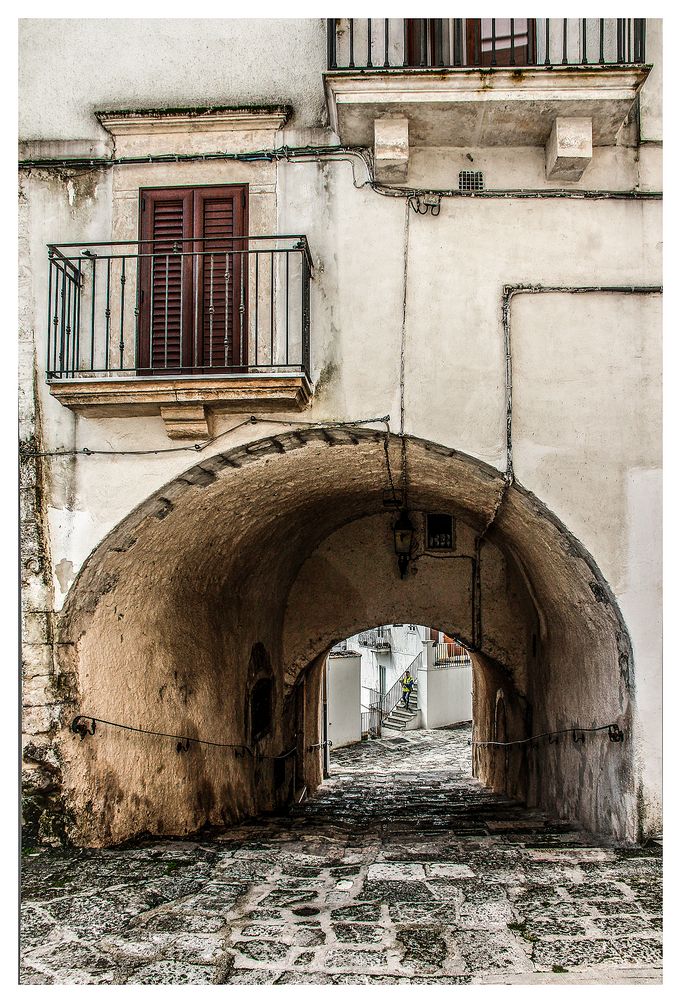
(285, 544)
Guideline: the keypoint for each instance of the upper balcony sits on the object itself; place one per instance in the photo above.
(472, 82)
(180, 326)
(376, 638)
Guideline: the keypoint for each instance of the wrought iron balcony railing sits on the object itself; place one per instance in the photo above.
(181, 308)
(448, 655)
(384, 43)
(375, 638)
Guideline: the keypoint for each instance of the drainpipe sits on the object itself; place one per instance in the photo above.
(326, 758)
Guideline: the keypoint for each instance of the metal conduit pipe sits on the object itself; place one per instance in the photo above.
(331, 153)
(509, 291)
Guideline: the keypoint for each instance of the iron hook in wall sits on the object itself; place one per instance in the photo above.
(80, 726)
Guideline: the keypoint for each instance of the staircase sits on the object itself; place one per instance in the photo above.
(400, 718)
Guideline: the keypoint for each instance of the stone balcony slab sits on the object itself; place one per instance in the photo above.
(482, 107)
(168, 396)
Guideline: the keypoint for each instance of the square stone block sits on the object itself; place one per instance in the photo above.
(391, 149)
(569, 149)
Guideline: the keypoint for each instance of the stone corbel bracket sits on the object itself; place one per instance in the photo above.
(569, 149)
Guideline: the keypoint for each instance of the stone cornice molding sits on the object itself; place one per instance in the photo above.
(221, 119)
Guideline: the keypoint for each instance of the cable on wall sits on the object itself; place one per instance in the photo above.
(403, 348)
(86, 725)
(508, 293)
(421, 200)
(615, 735)
(202, 445)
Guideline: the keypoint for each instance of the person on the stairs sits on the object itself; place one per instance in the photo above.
(407, 687)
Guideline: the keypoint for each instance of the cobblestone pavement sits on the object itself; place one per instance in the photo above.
(402, 869)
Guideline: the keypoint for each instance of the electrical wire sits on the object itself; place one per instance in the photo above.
(182, 741)
(304, 154)
(386, 447)
(616, 736)
(202, 445)
(76, 727)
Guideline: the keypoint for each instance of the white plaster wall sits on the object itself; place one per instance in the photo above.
(590, 413)
(422, 682)
(369, 673)
(345, 724)
(405, 645)
(445, 696)
(86, 64)
(641, 602)
(454, 354)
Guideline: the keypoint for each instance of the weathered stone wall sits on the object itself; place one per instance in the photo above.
(44, 697)
(282, 544)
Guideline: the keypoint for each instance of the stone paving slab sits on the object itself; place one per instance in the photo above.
(402, 869)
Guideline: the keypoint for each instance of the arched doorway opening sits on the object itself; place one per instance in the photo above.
(395, 677)
(285, 546)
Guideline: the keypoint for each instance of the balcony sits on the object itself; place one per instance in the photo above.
(447, 654)
(472, 82)
(183, 328)
(375, 638)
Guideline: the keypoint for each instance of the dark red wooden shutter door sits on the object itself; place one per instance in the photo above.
(193, 280)
(222, 276)
(166, 284)
(166, 280)
(217, 223)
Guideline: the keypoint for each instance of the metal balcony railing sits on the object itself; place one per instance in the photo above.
(448, 655)
(375, 638)
(379, 44)
(186, 307)
(371, 721)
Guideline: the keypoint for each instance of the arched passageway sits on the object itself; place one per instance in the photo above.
(210, 609)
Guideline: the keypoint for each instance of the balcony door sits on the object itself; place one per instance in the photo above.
(193, 287)
(502, 41)
(434, 42)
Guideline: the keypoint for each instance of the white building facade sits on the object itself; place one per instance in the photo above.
(280, 281)
(364, 683)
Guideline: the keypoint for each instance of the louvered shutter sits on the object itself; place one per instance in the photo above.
(192, 303)
(165, 279)
(221, 276)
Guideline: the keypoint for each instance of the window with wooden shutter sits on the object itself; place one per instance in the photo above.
(193, 291)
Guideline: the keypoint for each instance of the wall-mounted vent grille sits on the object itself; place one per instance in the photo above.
(471, 180)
